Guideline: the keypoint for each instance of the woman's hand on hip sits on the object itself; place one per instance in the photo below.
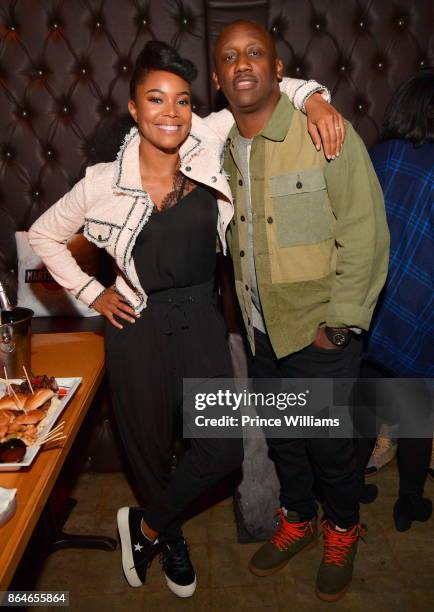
(110, 303)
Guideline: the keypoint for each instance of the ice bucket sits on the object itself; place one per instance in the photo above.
(15, 341)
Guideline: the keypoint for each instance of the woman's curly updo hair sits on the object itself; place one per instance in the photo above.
(157, 55)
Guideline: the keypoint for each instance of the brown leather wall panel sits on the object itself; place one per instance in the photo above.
(65, 65)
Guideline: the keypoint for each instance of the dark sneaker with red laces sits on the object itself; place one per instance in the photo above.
(177, 567)
(291, 537)
(137, 550)
(336, 570)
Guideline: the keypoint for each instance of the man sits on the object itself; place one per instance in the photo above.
(309, 243)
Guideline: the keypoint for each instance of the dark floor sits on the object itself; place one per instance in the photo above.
(394, 571)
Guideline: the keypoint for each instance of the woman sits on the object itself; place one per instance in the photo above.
(155, 210)
(400, 341)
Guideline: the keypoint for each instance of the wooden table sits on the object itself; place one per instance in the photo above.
(61, 355)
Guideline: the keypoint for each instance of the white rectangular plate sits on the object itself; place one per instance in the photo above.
(72, 385)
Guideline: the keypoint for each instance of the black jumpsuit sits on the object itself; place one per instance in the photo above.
(180, 333)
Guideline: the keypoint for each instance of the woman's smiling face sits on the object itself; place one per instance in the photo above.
(162, 109)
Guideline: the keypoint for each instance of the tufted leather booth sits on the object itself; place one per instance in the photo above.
(64, 67)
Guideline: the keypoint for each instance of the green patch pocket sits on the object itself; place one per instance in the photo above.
(300, 208)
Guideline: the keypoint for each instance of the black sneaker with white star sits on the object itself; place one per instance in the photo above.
(137, 550)
(177, 567)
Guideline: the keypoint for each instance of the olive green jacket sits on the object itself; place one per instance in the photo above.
(321, 240)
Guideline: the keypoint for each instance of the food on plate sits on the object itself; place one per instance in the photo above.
(22, 414)
(4, 423)
(40, 399)
(13, 402)
(12, 451)
(38, 382)
(28, 418)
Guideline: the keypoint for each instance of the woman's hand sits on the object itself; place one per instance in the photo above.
(110, 303)
(325, 125)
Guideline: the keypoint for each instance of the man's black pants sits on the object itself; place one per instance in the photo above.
(301, 463)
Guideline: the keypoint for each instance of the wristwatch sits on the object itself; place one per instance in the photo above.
(339, 336)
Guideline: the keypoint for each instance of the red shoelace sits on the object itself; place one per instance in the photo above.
(337, 544)
(288, 533)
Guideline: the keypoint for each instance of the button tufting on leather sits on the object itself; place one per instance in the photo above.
(37, 79)
(123, 66)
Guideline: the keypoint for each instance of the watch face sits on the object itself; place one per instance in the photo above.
(339, 338)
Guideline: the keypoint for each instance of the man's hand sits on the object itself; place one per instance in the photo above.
(110, 303)
(325, 125)
(322, 341)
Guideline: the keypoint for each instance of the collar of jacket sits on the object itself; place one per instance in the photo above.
(127, 178)
(278, 125)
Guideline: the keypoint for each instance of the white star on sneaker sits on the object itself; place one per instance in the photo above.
(138, 547)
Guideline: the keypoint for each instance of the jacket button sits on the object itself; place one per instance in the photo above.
(241, 253)
(243, 218)
(213, 179)
(270, 220)
(248, 321)
(247, 287)
(187, 168)
(299, 185)
(240, 182)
